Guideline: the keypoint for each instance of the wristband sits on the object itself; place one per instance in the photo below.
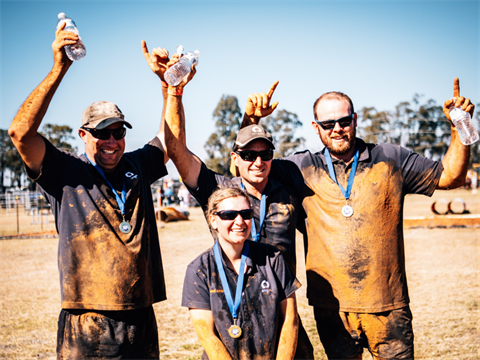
(164, 84)
(175, 91)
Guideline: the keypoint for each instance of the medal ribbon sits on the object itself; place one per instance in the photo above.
(120, 200)
(328, 158)
(263, 206)
(223, 277)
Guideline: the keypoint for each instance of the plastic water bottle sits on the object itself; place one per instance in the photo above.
(74, 51)
(175, 74)
(464, 125)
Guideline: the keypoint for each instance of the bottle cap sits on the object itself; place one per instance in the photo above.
(61, 16)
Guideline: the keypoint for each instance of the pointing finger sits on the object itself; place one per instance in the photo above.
(456, 87)
(145, 51)
(272, 89)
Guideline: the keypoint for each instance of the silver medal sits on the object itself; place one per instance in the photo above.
(347, 211)
(125, 227)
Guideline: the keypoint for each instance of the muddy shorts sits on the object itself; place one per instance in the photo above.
(89, 334)
(387, 335)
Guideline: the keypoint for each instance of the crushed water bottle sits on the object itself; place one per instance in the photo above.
(175, 74)
(464, 125)
(74, 51)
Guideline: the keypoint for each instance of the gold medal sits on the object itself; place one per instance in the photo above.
(235, 331)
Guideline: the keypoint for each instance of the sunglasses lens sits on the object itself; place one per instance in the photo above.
(330, 124)
(105, 134)
(250, 155)
(119, 133)
(327, 125)
(345, 121)
(232, 214)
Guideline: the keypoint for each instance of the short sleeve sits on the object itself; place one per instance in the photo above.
(421, 175)
(285, 276)
(196, 294)
(208, 181)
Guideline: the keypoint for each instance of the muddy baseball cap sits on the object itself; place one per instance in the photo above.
(250, 133)
(101, 114)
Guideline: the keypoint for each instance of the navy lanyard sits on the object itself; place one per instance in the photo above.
(223, 277)
(120, 200)
(263, 206)
(328, 158)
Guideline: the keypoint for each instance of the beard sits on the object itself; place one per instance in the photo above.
(343, 148)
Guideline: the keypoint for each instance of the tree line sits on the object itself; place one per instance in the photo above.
(417, 125)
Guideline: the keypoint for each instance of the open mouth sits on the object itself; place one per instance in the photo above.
(108, 152)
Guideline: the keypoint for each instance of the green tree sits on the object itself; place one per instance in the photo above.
(282, 126)
(429, 129)
(9, 160)
(378, 126)
(227, 117)
(59, 135)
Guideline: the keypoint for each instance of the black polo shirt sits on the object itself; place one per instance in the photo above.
(268, 281)
(357, 263)
(282, 209)
(100, 267)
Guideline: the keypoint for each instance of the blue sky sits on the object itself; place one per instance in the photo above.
(378, 52)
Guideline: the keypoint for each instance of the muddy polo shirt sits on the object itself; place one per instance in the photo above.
(268, 281)
(282, 209)
(100, 267)
(357, 263)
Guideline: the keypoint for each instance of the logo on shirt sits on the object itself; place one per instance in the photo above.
(265, 286)
(131, 175)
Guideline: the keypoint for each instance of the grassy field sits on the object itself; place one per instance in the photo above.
(443, 270)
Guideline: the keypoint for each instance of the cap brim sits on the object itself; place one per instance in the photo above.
(107, 122)
(242, 145)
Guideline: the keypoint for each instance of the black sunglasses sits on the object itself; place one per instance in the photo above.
(251, 155)
(330, 124)
(246, 214)
(104, 134)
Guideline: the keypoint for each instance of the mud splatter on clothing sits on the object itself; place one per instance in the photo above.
(357, 263)
(268, 281)
(282, 209)
(100, 267)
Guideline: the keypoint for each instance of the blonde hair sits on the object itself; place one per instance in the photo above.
(218, 196)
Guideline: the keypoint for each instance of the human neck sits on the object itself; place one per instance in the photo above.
(233, 254)
(255, 189)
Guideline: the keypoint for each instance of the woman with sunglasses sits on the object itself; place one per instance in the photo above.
(241, 294)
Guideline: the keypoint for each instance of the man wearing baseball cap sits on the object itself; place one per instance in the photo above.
(109, 255)
(276, 208)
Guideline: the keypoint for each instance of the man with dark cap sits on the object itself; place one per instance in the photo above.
(109, 255)
(276, 208)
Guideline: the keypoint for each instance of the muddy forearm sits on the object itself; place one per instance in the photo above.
(455, 164)
(24, 127)
(287, 343)
(187, 164)
(211, 343)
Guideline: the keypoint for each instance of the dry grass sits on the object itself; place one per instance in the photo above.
(443, 269)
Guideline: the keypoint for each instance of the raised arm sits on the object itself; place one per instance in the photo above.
(158, 61)
(456, 160)
(24, 127)
(287, 344)
(187, 163)
(204, 325)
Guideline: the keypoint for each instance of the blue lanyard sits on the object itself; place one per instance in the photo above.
(328, 158)
(120, 200)
(223, 277)
(263, 205)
